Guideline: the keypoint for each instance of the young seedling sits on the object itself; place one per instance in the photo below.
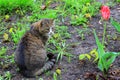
(92, 54)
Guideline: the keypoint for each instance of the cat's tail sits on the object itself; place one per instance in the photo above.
(48, 65)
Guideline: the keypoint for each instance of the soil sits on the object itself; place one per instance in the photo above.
(76, 69)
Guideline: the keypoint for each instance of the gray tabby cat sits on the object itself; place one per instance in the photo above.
(30, 55)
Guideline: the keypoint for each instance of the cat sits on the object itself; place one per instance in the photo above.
(30, 55)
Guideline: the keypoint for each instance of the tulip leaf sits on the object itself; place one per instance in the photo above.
(115, 24)
(100, 46)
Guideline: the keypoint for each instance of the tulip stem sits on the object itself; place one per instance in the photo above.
(104, 32)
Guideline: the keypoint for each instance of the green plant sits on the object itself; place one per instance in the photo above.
(7, 75)
(82, 32)
(9, 59)
(78, 9)
(59, 43)
(8, 6)
(115, 24)
(1, 77)
(48, 13)
(105, 58)
(88, 56)
(18, 32)
(118, 0)
(40, 78)
(3, 52)
(78, 19)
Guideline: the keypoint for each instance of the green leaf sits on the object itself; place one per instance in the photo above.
(94, 53)
(109, 58)
(88, 56)
(55, 76)
(101, 51)
(2, 52)
(115, 24)
(100, 65)
(81, 56)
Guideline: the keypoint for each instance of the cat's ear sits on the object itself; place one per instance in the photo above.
(36, 25)
(53, 21)
(41, 23)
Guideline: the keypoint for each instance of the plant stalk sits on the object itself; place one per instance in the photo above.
(104, 32)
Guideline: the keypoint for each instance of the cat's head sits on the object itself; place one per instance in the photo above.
(44, 27)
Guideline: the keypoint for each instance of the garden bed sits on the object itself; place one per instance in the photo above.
(79, 42)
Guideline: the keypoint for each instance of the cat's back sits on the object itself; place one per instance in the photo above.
(29, 41)
(30, 51)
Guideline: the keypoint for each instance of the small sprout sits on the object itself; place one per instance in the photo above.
(58, 71)
(83, 56)
(11, 30)
(94, 53)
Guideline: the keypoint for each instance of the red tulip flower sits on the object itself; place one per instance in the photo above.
(105, 11)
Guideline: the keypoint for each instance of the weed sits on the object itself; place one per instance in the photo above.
(1, 77)
(92, 53)
(81, 32)
(8, 59)
(7, 75)
(17, 33)
(48, 13)
(59, 42)
(78, 10)
(3, 52)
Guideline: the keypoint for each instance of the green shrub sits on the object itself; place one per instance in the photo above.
(118, 0)
(79, 10)
(8, 6)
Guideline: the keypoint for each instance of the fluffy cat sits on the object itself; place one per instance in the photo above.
(30, 55)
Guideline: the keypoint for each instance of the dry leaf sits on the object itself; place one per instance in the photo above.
(43, 7)
(87, 15)
(58, 71)
(5, 36)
